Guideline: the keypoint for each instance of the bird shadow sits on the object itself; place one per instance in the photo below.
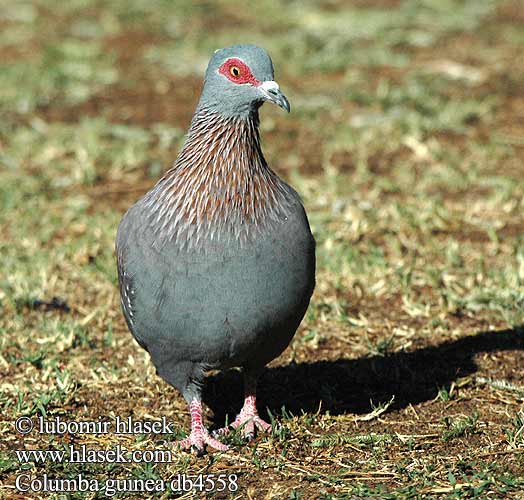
(349, 385)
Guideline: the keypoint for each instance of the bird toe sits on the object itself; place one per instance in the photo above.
(261, 424)
(197, 442)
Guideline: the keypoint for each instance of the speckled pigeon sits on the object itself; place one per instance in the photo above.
(216, 263)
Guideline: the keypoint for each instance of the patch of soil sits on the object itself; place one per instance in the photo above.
(145, 99)
(336, 5)
(140, 104)
(510, 12)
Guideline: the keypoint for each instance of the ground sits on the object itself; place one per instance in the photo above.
(406, 141)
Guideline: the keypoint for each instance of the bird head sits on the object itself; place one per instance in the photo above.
(239, 79)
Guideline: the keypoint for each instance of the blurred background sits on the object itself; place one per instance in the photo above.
(406, 141)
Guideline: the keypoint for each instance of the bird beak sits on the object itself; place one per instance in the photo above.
(271, 92)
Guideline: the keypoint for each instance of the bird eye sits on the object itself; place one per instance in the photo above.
(237, 72)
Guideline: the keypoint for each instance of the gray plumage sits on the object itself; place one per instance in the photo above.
(216, 263)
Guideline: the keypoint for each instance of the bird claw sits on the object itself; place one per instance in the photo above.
(247, 423)
(197, 440)
(199, 452)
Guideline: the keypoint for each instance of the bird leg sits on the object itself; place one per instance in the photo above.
(248, 418)
(199, 434)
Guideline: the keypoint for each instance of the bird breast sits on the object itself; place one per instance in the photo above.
(219, 188)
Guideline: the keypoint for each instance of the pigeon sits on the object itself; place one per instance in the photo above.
(216, 263)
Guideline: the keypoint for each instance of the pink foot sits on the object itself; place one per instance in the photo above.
(197, 440)
(199, 434)
(248, 419)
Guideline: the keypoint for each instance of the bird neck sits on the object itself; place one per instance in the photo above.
(220, 185)
(217, 142)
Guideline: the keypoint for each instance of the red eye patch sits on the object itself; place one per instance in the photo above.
(238, 72)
